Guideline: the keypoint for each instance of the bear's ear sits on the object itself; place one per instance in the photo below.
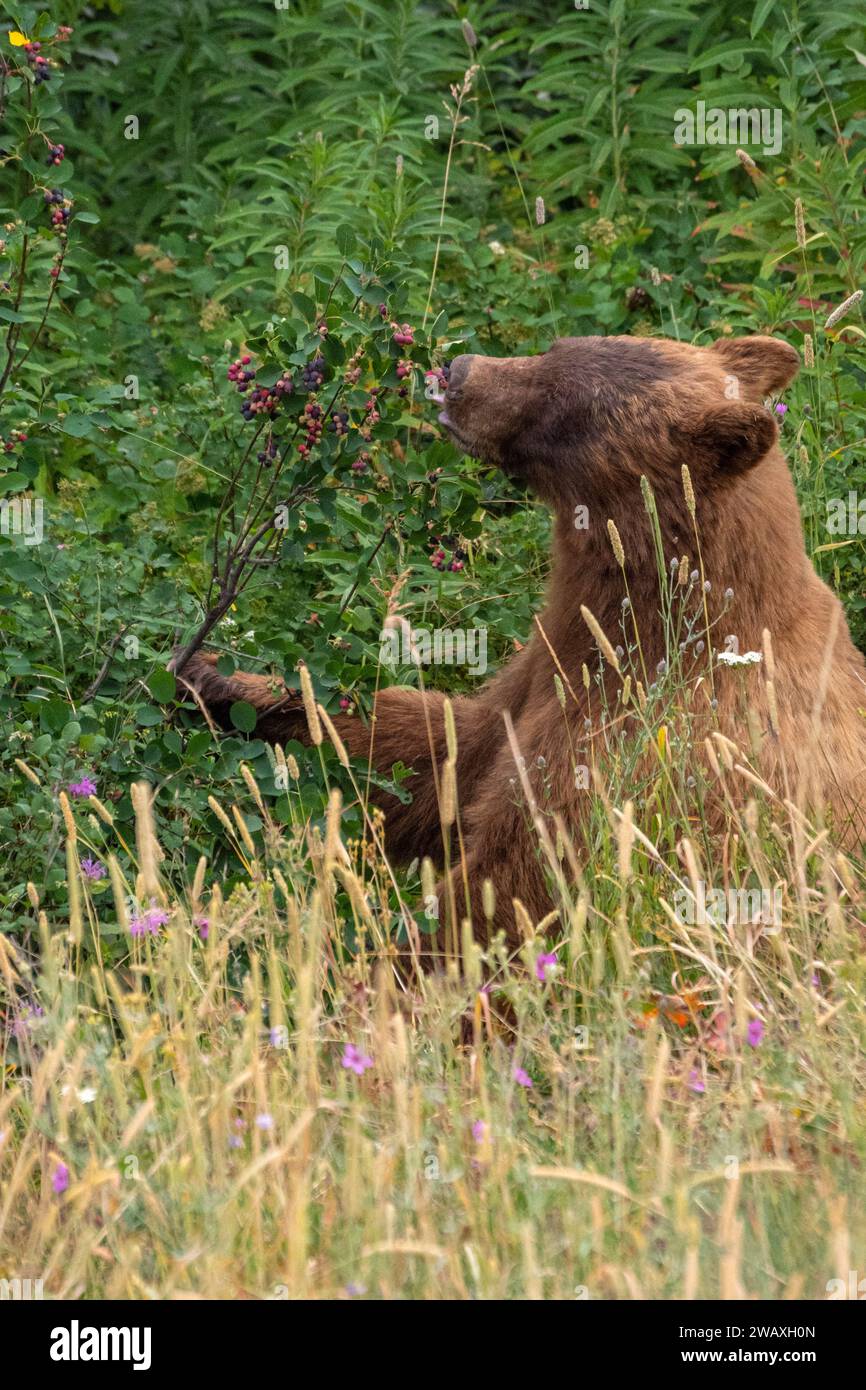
(764, 364)
(732, 437)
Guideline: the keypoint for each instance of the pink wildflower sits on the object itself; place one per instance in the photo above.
(355, 1060)
(543, 962)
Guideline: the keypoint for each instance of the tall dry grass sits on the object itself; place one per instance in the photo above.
(256, 1102)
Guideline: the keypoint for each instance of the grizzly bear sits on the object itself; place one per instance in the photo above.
(592, 427)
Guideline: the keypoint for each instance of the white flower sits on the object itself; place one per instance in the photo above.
(497, 248)
(87, 1095)
(740, 658)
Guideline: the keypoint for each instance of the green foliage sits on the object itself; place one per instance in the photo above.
(237, 178)
(255, 181)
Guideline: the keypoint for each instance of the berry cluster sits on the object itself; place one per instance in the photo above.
(361, 463)
(40, 66)
(372, 416)
(403, 333)
(404, 368)
(311, 419)
(56, 154)
(269, 453)
(439, 559)
(16, 437)
(440, 375)
(241, 373)
(262, 400)
(352, 374)
(61, 207)
(339, 423)
(313, 374)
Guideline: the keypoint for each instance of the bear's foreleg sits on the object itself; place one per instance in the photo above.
(408, 726)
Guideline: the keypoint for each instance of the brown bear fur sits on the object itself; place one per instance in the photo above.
(580, 424)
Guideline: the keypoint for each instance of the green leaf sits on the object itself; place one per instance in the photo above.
(345, 239)
(762, 9)
(78, 426)
(304, 305)
(243, 716)
(148, 715)
(162, 685)
(727, 55)
(53, 715)
(198, 743)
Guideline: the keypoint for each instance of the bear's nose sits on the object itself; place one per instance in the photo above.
(459, 370)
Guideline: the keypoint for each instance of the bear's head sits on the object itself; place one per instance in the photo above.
(590, 415)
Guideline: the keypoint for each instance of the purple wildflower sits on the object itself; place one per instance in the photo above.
(203, 924)
(781, 410)
(695, 1081)
(355, 1290)
(86, 787)
(479, 1131)
(29, 1014)
(543, 962)
(755, 1032)
(92, 869)
(149, 921)
(60, 1180)
(264, 1121)
(522, 1078)
(355, 1060)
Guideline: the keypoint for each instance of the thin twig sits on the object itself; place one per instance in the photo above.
(103, 670)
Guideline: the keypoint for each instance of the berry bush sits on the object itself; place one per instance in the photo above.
(231, 280)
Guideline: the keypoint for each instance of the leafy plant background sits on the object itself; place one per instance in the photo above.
(313, 128)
